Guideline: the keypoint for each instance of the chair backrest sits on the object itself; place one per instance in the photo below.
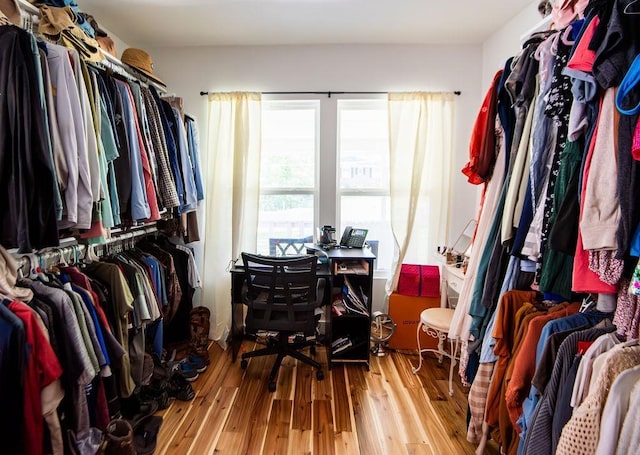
(288, 246)
(281, 293)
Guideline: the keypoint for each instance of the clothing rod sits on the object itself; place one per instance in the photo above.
(131, 234)
(329, 93)
(129, 71)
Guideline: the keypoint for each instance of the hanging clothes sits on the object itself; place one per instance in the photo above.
(28, 210)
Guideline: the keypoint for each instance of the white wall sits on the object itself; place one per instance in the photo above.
(385, 68)
(468, 68)
(506, 42)
(119, 43)
(187, 71)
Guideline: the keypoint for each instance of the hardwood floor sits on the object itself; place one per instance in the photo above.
(387, 410)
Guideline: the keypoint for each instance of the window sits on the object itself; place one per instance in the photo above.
(363, 160)
(325, 161)
(288, 183)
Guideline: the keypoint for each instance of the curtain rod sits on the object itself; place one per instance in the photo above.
(329, 93)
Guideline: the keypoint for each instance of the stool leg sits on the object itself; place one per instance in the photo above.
(441, 351)
(454, 349)
(415, 370)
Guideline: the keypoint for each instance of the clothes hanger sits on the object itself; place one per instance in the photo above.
(36, 271)
(75, 252)
(90, 254)
(52, 270)
(588, 303)
(626, 8)
(25, 263)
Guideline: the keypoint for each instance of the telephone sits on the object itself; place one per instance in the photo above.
(353, 237)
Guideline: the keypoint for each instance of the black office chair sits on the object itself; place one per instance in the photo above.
(281, 297)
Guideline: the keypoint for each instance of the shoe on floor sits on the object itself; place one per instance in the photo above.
(178, 387)
(186, 370)
(196, 362)
(145, 434)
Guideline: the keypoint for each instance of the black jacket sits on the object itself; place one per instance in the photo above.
(27, 178)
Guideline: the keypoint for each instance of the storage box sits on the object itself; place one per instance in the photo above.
(405, 312)
(419, 280)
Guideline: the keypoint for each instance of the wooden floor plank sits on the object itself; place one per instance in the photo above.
(299, 442)
(213, 423)
(436, 432)
(323, 429)
(322, 389)
(356, 375)
(171, 421)
(237, 433)
(392, 434)
(346, 443)
(419, 449)
(286, 380)
(406, 413)
(342, 408)
(366, 422)
(277, 435)
(454, 426)
(386, 410)
(301, 419)
(404, 365)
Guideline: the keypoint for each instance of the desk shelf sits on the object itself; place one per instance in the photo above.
(351, 272)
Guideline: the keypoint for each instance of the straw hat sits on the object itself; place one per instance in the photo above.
(141, 61)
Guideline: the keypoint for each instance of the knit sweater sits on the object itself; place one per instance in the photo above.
(580, 435)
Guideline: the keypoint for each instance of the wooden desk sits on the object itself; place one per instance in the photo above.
(323, 271)
(451, 280)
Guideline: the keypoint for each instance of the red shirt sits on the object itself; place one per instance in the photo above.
(482, 147)
(42, 368)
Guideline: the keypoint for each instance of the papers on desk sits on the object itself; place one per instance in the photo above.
(323, 256)
(350, 301)
(352, 268)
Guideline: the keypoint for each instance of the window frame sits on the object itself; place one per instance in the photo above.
(326, 191)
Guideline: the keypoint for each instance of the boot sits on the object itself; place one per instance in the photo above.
(199, 343)
(117, 439)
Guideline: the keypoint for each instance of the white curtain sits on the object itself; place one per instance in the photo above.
(232, 181)
(421, 152)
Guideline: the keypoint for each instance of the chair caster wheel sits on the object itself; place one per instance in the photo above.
(312, 349)
(243, 364)
(272, 387)
(319, 375)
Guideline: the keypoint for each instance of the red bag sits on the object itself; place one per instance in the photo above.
(419, 280)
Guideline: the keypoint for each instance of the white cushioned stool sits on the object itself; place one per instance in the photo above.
(435, 322)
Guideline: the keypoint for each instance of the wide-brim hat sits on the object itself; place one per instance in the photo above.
(58, 24)
(141, 61)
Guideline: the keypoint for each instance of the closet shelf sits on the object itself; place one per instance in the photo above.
(544, 24)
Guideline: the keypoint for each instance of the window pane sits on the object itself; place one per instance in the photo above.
(363, 144)
(288, 145)
(363, 147)
(284, 217)
(287, 171)
(372, 213)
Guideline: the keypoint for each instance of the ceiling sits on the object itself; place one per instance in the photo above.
(171, 23)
